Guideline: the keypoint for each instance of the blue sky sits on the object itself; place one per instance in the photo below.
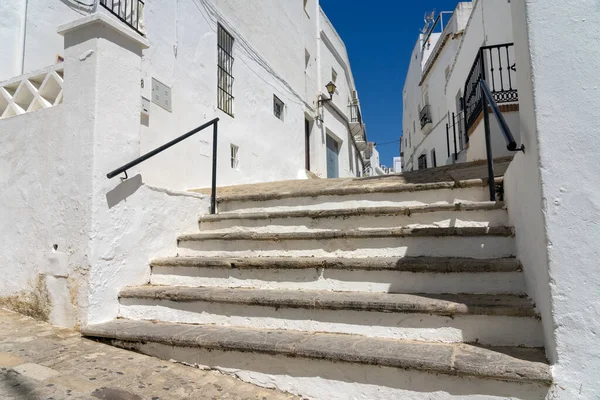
(380, 36)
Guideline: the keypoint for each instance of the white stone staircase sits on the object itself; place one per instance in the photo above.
(392, 292)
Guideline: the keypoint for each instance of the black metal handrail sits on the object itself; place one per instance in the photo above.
(128, 11)
(215, 124)
(511, 144)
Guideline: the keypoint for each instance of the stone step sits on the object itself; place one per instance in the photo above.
(468, 214)
(352, 194)
(487, 319)
(307, 359)
(471, 242)
(400, 275)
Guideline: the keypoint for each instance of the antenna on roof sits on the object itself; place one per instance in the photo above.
(429, 21)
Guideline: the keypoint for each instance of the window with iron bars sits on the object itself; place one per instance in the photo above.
(225, 70)
(422, 161)
(278, 107)
(235, 162)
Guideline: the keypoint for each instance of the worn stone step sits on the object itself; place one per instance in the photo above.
(400, 275)
(466, 214)
(350, 194)
(186, 343)
(443, 304)
(487, 319)
(403, 264)
(475, 242)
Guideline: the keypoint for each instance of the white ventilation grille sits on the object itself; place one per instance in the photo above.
(31, 93)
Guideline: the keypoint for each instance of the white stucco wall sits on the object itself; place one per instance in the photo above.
(45, 181)
(336, 114)
(427, 75)
(86, 235)
(411, 102)
(559, 198)
(433, 135)
(11, 33)
(476, 150)
(482, 22)
(269, 60)
(36, 22)
(490, 23)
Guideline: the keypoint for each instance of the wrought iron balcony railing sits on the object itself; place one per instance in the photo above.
(128, 11)
(355, 115)
(425, 116)
(496, 66)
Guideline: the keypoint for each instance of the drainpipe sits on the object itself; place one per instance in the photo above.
(23, 36)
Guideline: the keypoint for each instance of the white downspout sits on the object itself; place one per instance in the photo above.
(23, 36)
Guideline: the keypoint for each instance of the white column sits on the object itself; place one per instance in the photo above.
(102, 82)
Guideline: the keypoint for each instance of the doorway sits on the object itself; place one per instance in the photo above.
(333, 150)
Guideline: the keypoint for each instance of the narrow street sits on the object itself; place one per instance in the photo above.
(38, 361)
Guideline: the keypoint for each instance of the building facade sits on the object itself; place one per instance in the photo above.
(261, 68)
(441, 122)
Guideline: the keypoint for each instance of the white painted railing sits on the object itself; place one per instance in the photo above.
(31, 92)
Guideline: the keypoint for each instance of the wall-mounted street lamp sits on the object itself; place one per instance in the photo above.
(331, 90)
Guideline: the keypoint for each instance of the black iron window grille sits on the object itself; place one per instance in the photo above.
(456, 139)
(235, 162)
(128, 11)
(278, 107)
(225, 70)
(495, 65)
(425, 116)
(422, 161)
(355, 115)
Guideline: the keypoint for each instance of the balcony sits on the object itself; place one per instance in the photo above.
(355, 115)
(497, 67)
(425, 116)
(127, 11)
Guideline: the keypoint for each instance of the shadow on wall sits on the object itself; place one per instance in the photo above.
(81, 6)
(124, 190)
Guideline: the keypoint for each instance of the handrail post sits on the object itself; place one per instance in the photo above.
(454, 134)
(213, 193)
(488, 149)
(448, 139)
(464, 110)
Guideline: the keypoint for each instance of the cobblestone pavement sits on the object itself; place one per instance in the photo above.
(38, 361)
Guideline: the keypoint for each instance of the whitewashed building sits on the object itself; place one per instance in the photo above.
(261, 68)
(397, 168)
(415, 286)
(373, 164)
(437, 127)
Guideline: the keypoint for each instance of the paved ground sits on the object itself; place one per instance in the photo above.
(38, 361)
(451, 173)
